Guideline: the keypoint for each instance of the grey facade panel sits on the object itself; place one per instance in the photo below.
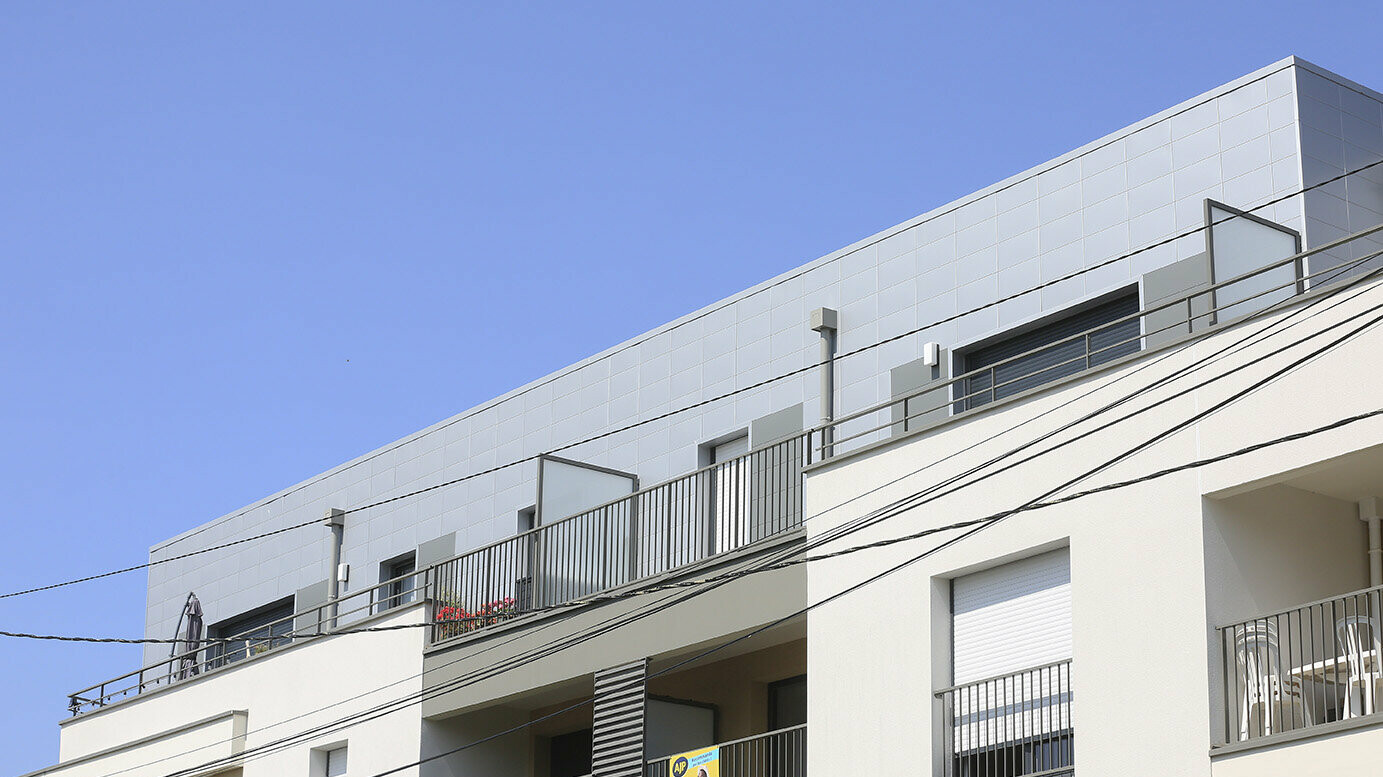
(1172, 282)
(927, 407)
(775, 426)
(439, 549)
(315, 595)
(1040, 224)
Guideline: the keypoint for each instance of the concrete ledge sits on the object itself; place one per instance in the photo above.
(533, 619)
(1298, 735)
(235, 742)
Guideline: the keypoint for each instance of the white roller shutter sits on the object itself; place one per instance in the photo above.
(1012, 617)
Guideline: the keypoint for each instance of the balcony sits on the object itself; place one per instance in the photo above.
(1294, 607)
(1312, 665)
(750, 705)
(1010, 366)
(781, 753)
(715, 510)
(307, 623)
(1010, 725)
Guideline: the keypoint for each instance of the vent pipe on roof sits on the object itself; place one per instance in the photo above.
(1370, 511)
(826, 321)
(335, 519)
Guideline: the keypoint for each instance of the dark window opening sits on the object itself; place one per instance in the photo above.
(400, 590)
(523, 586)
(570, 754)
(1097, 336)
(787, 703)
(251, 633)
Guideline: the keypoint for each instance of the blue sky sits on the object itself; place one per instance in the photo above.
(246, 242)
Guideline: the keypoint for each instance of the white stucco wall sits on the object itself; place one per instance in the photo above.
(1142, 664)
(281, 693)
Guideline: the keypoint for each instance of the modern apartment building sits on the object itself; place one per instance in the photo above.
(852, 502)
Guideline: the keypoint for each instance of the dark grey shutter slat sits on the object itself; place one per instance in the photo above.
(617, 738)
(242, 625)
(1048, 364)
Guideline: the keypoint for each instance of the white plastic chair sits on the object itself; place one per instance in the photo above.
(1359, 636)
(1270, 703)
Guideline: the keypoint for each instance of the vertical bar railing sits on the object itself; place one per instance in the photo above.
(781, 753)
(1317, 663)
(716, 509)
(1081, 351)
(233, 649)
(1014, 724)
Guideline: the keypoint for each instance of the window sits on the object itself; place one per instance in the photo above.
(730, 500)
(787, 702)
(254, 632)
(569, 755)
(336, 762)
(329, 761)
(523, 586)
(400, 571)
(1037, 364)
(1010, 711)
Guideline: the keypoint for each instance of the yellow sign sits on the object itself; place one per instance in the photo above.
(697, 763)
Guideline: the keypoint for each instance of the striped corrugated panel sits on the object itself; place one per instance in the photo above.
(617, 747)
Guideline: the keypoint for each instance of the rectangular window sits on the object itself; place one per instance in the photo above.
(569, 755)
(328, 761)
(1010, 709)
(1051, 351)
(787, 702)
(730, 499)
(252, 633)
(400, 591)
(336, 762)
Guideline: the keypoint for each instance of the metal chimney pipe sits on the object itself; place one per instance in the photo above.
(826, 322)
(335, 519)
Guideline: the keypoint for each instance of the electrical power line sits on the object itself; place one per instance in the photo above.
(937, 548)
(1201, 364)
(873, 240)
(1308, 357)
(1125, 375)
(879, 343)
(600, 599)
(1334, 272)
(726, 395)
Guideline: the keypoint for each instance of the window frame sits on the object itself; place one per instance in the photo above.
(402, 591)
(252, 644)
(966, 396)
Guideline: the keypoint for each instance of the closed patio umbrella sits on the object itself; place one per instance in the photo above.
(190, 637)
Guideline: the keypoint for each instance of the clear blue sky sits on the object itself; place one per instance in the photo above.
(243, 242)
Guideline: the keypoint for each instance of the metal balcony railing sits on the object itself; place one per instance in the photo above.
(1198, 310)
(781, 753)
(717, 509)
(713, 510)
(231, 649)
(1318, 663)
(1010, 725)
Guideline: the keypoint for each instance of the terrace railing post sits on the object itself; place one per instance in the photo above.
(634, 513)
(605, 537)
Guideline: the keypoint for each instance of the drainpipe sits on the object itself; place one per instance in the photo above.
(335, 519)
(826, 321)
(1369, 512)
